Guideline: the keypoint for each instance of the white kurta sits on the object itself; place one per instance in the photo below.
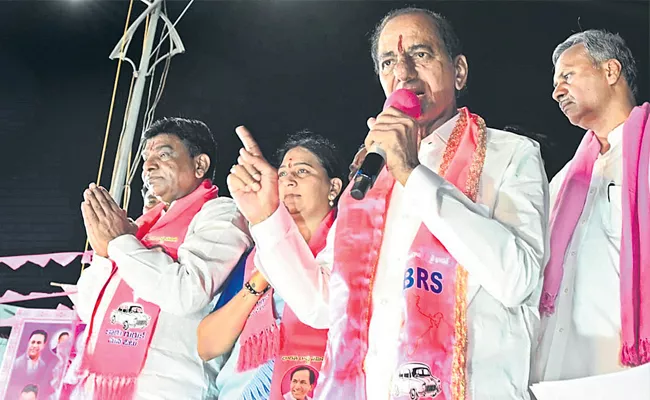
(185, 291)
(582, 338)
(500, 240)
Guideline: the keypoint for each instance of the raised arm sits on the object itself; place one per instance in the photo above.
(283, 256)
(301, 279)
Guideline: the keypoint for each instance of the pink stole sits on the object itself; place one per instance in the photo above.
(126, 330)
(291, 344)
(433, 338)
(635, 232)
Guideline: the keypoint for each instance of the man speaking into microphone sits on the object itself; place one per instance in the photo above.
(429, 284)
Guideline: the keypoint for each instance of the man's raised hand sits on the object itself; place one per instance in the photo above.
(103, 218)
(399, 136)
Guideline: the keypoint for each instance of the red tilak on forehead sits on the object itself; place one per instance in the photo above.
(400, 49)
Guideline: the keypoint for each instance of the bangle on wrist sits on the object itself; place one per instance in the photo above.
(254, 292)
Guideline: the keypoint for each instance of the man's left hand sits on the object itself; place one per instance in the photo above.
(103, 218)
(399, 136)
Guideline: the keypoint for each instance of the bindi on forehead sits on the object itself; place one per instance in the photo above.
(413, 29)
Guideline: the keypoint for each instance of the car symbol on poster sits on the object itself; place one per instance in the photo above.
(130, 315)
(416, 381)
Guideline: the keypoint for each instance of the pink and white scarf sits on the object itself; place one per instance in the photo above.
(635, 233)
(112, 367)
(292, 343)
(433, 337)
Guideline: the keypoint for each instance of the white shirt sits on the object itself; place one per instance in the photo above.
(185, 291)
(500, 240)
(582, 338)
(33, 365)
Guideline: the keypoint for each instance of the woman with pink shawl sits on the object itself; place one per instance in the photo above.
(269, 347)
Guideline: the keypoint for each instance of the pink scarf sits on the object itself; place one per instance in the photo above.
(290, 344)
(126, 330)
(433, 338)
(635, 233)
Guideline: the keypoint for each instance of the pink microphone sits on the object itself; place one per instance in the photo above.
(408, 103)
(405, 101)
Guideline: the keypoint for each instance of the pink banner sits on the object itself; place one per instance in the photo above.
(11, 321)
(58, 330)
(63, 259)
(8, 322)
(11, 296)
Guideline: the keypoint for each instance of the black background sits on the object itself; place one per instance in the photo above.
(275, 66)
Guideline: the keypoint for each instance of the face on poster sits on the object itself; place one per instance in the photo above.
(299, 383)
(36, 358)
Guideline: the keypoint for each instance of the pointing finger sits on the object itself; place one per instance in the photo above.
(247, 140)
(249, 167)
(257, 162)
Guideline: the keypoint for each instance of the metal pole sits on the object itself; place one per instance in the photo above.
(133, 112)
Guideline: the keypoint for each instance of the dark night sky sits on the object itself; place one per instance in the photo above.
(275, 66)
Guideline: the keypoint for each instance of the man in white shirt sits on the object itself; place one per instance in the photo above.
(177, 283)
(499, 238)
(595, 86)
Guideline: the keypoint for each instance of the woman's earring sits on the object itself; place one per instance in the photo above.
(331, 198)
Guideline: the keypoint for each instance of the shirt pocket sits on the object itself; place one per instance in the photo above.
(613, 218)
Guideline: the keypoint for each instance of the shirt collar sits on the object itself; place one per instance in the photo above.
(616, 136)
(444, 131)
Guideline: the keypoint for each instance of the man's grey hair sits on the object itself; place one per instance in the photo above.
(601, 46)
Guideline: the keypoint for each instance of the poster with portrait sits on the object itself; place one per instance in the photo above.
(299, 383)
(38, 353)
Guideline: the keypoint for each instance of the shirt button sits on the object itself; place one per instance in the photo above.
(561, 330)
(591, 191)
(573, 253)
(383, 302)
(566, 290)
